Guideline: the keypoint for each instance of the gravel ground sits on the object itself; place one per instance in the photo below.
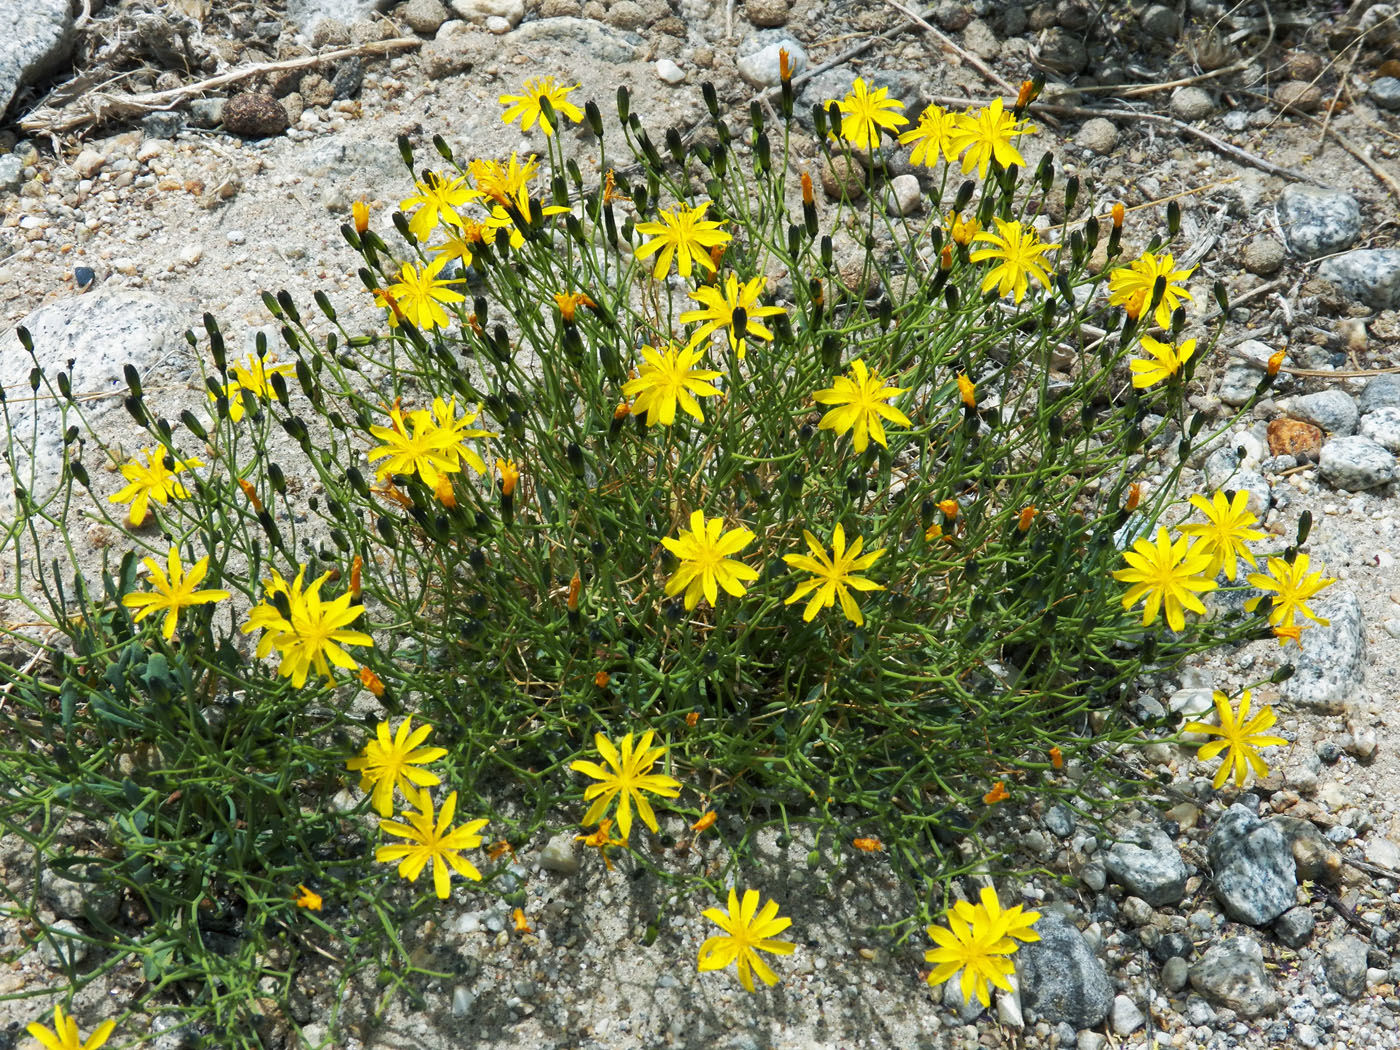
(128, 219)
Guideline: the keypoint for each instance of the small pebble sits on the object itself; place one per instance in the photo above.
(669, 72)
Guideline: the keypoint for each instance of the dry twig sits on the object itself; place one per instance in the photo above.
(101, 106)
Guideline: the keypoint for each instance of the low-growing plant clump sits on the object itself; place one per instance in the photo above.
(661, 489)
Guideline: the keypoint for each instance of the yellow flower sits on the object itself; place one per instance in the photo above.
(719, 312)
(1020, 251)
(833, 575)
(860, 399)
(253, 376)
(1165, 574)
(460, 243)
(569, 302)
(526, 107)
(747, 931)
(510, 476)
(984, 135)
(151, 480)
(962, 231)
(1294, 584)
(1240, 738)
(306, 898)
(173, 592)
(437, 201)
(64, 1035)
(933, 135)
(601, 839)
(865, 112)
(1226, 532)
(417, 295)
(452, 431)
(312, 635)
(705, 565)
(359, 211)
(1167, 361)
(438, 842)
(506, 183)
(1131, 286)
(669, 377)
(967, 391)
(423, 452)
(685, 234)
(628, 775)
(978, 944)
(388, 762)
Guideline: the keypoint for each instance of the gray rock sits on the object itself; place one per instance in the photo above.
(1161, 22)
(163, 124)
(207, 112)
(1344, 962)
(1223, 470)
(1356, 463)
(965, 1010)
(59, 946)
(1383, 427)
(76, 891)
(1089, 1040)
(38, 38)
(952, 15)
(480, 10)
(1125, 1016)
(1255, 877)
(1062, 51)
(462, 1001)
(1059, 819)
(980, 40)
(1136, 911)
(1191, 103)
(11, 172)
(1385, 92)
(1060, 976)
(1332, 410)
(558, 855)
(348, 79)
(583, 35)
(761, 67)
(1098, 135)
(904, 196)
(1176, 971)
(1299, 96)
(1331, 667)
(669, 72)
(101, 331)
(310, 13)
(1381, 392)
(424, 17)
(1319, 221)
(1295, 926)
(1263, 256)
(1369, 275)
(1148, 865)
(1231, 974)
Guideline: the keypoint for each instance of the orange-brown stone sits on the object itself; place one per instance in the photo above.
(1290, 437)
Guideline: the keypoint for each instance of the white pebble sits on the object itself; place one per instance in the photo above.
(191, 254)
(237, 236)
(497, 25)
(669, 71)
(89, 163)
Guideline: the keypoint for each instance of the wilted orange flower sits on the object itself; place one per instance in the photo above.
(784, 65)
(569, 302)
(1023, 522)
(967, 391)
(475, 325)
(610, 193)
(622, 411)
(444, 493)
(871, 845)
(706, 820)
(945, 258)
(371, 681)
(1117, 215)
(1291, 633)
(251, 493)
(601, 839)
(392, 303)
(360, 210)
(949, 507)
(575, 587)
(601, 679)
(997, 794)
(499, 849)
(510, 475)
(307, 899)
(692, 718)
(355, 566)
(933, 532)
(1057, 758)
(1276, 361)
(807, 195)
(1134, 496)
(521, 925)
